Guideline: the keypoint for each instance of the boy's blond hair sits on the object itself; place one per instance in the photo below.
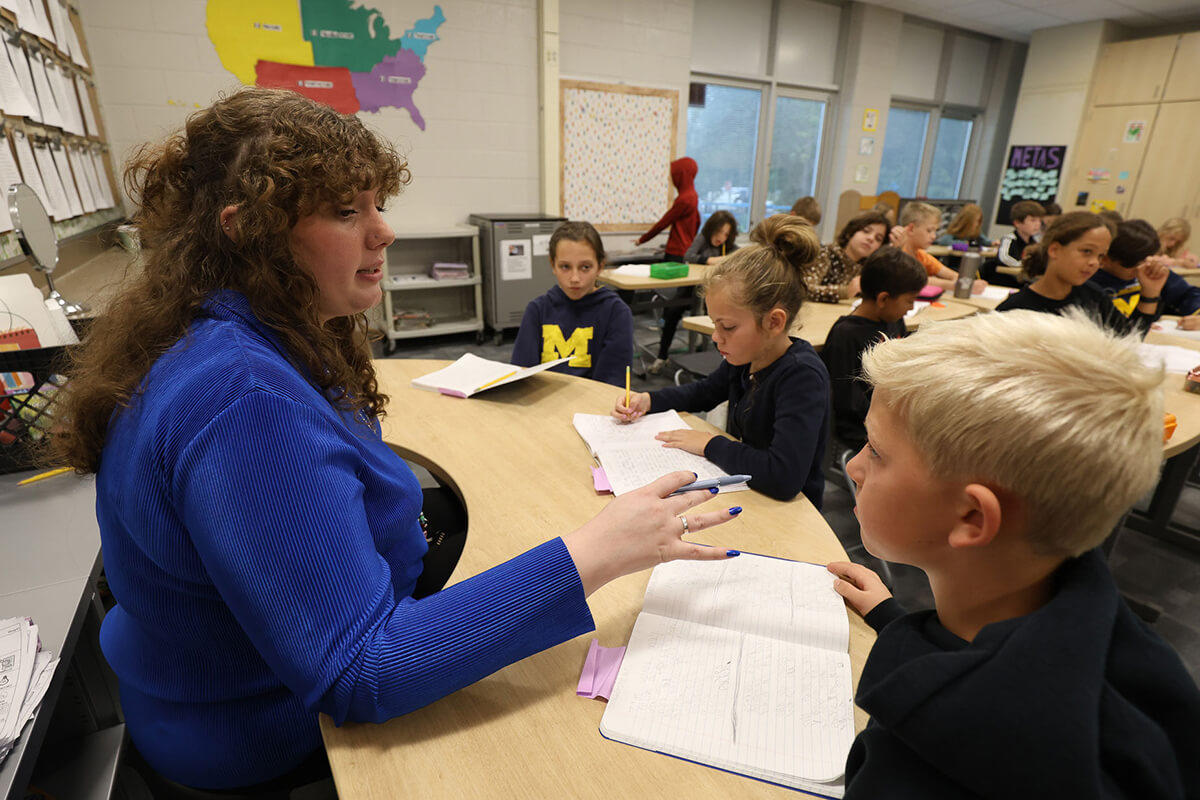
(1056, 410)
(916, 212)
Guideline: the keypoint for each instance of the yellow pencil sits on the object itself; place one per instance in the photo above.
(41, 477)
(627, 386)
(493, 383)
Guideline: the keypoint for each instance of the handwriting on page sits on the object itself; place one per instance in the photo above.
(632, 468)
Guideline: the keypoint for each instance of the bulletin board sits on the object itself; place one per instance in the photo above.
(616, 144)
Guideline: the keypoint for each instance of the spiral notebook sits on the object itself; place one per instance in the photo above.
(742, 665)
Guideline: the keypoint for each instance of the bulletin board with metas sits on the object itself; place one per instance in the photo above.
(53, 136)
(617, 143)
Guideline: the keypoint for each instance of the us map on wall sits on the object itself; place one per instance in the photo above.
(617, 146)
(328, 50)
(1032, 172)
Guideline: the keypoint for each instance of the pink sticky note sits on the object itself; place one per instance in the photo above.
(609, 665)
(588, 678)
(600, 480)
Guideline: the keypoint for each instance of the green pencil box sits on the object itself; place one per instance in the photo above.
(668, 269)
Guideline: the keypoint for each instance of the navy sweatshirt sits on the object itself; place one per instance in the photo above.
(1078, 699)
(849, 337)
(781, 415)
(1088, 297)
(1178, 296)
(596, 331)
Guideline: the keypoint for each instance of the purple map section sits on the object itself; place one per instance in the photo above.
(391, 83)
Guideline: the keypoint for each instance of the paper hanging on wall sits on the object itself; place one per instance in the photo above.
(59, 154)
(870, 120)
(1123, 175)
(1099, 175)
(87, 194)
(541, 244)
(1103, 205)
(59, 208)
(76, 48)
(45, 95)
(41, 21)
(1081, 199)
(58, 21)
(1134, 130)
(12, 94)
(68, 103)
(29, 167)
(866, 145)
(9, 174)
(102, 180)
(20, 63)
(516, 261)
(862, 173)
(85, 102)
(1032, 172)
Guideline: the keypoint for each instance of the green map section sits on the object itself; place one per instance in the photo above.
(341, 36)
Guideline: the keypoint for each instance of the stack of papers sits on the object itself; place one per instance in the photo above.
(759, 688)
(632, 457)
(472, 374)
(25, 672)
(1169, 357)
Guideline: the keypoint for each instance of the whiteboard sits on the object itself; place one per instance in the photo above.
(617, 144)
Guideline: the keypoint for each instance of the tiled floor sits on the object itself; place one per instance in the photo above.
(1146, 569)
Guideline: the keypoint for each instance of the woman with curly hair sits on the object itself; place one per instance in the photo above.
(264, 545)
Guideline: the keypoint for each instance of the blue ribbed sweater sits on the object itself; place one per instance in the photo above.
(263, 548)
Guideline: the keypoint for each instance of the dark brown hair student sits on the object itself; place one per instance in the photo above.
(578, 231)
(861, 220)
(715, 222)
(1065, 230)
(277, 157)
(768, 272)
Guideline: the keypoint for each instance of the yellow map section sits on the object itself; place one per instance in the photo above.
(245, 32)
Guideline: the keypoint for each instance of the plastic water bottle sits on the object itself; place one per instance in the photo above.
(968, 268)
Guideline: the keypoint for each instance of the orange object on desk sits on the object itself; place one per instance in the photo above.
(1169, 425)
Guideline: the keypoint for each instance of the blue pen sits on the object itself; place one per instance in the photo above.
(712, 483)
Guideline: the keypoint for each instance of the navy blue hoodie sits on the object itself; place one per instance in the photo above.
(596, 331)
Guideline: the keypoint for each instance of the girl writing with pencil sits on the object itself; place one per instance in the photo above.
(776, 385)
(263, 543)
(717, 240)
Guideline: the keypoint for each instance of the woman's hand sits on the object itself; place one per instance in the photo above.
(861, 587)
(692, 441)
(639, 406)
(643, 528)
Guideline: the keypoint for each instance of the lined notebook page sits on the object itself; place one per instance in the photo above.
(600, 430)
(629, 468)
(743, 665)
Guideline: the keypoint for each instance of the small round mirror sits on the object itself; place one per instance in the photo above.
(34, 231)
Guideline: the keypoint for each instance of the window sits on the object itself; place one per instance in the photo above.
(949, 157)
(795, 152)
(723, 138)
(903, 147)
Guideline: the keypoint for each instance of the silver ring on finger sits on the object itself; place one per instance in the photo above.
(685, 524)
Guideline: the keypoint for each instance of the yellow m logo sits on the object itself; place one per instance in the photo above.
(554, 346)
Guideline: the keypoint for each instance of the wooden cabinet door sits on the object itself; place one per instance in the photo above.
(1104, 152)
(1169, 184)
(1184, 81)
(1133, 72)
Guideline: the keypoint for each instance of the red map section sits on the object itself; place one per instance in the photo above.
(332, 86)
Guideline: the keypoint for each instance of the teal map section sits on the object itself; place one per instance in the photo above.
(424, 33)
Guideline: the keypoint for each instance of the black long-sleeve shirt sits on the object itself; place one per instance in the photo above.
(780, 414)
(842, 354)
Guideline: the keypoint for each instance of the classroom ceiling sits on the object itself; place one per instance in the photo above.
(1018, 19)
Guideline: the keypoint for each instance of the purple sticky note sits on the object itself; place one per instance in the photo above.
(600, 480)
(610, 659)
(587, 678)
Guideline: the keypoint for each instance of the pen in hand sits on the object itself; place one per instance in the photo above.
(712, 483)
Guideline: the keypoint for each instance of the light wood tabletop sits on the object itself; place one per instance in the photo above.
(815, 319)
(524, 473)
(619, 280)
(1176, 400)
(941, 251)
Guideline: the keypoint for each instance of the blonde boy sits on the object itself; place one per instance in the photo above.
(917, 230)
(1002, 449)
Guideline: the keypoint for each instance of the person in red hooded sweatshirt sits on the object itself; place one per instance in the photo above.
(684, 218)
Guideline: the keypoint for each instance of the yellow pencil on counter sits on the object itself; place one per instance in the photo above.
(42, 476)
(627, 384)
(501, 378)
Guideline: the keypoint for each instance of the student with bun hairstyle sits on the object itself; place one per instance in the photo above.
(1061, 264)
(834, 275)
(776, 385)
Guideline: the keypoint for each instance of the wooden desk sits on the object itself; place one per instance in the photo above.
(514, 457)
(815, 319)
(613, 278)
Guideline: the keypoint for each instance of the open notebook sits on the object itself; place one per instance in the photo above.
(471, 374)
(632, 457)
(742, 665)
